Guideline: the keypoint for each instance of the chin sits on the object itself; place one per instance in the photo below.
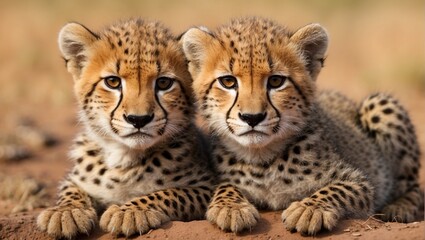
(253, 140)
(139, 143)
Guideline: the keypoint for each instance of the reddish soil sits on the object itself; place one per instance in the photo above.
(22, 226)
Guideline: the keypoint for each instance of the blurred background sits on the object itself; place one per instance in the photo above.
(374, 45)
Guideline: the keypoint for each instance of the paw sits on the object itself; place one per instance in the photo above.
(130, 220)
(399, 213)
(66, 221)
(233, 216)
(309, 218)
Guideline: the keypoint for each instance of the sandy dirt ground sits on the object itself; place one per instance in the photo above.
(374, 45)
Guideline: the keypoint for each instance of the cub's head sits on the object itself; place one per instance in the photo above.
(254, 80)
(131, 81)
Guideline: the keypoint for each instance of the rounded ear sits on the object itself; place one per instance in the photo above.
(195, 43)
(312, 41)
(73, 40)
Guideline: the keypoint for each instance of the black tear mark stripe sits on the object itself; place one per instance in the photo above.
(271, 103)
(270, 63)
(233, 104)
(163, 109)
(116, 107)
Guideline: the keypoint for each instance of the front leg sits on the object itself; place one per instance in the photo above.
(325, 207)
(230, 210)
(73, 214)
(151, 211)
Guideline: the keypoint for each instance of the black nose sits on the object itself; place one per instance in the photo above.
(252, 119)
(138, 121)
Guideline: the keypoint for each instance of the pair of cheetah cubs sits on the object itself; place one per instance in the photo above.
(274, 141)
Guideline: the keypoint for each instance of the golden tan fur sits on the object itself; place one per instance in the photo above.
(139, 154)
(279, 144)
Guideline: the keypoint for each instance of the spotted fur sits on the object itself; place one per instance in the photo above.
(279, 144)
(139, 156)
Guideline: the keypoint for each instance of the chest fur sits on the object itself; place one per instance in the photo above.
(165, 168)
(290, 176)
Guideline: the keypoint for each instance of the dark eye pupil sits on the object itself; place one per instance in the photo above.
(276, 81)
(113, 82)
(164, 83)
(228, 82)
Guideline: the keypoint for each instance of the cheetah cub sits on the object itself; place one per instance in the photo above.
(139, 154)
(278, 144)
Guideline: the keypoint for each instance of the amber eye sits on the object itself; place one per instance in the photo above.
(276, 81)
(164, 83)
(113, 82)
(228, 82)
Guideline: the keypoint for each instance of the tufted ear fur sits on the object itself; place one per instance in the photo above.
(195, 43)
(73, 41)
(312, 41)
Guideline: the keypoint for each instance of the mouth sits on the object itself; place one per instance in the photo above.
(252, 133)
(137, 134)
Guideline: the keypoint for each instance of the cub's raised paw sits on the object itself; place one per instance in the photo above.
(129, 220)
(67, 221)
(232, 216)
(309, 218)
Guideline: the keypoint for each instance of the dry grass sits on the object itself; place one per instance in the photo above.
(24, 193)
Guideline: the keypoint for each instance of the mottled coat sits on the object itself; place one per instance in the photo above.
(280, 144)
(139, 155)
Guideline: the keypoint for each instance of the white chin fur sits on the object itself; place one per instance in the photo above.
(121, 151)
(139, 143)
(253, 140)
(254, 150)
(117, 152)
